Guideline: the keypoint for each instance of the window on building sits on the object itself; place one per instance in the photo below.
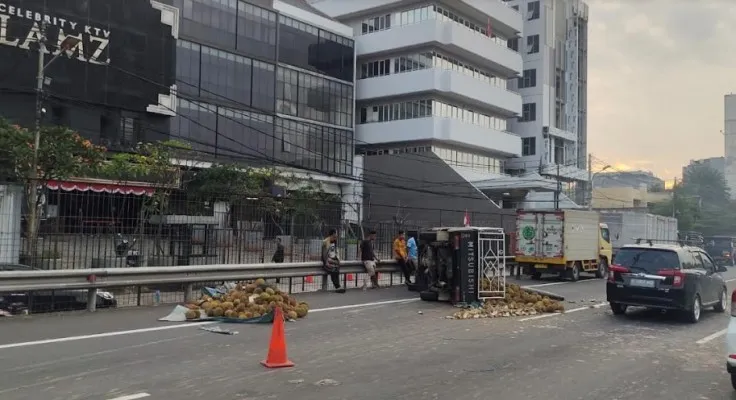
(528, 146)
(380, 23)
(513, 44)
(533, 10)
(532, 44)
(529, 79)
(375, 68)
(528, 112)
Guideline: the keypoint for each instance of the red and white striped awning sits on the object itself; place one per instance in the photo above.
(99, 187)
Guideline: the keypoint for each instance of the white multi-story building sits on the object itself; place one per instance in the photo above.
(553, 122)
(434, 73)
(432, 79)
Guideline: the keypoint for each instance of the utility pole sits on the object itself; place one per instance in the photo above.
(33, 173)
(64, 48)
(590, 182)
(559, 189)
(674, 199)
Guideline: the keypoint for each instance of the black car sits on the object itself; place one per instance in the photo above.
(49, 300)
(666, 277)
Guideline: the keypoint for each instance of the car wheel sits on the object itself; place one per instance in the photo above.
(618, 309)
(733, 381)
(602, 269)
(575, 272)
(723, 303)
(694, 313)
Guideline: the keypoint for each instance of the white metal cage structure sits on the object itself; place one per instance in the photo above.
(491, 263)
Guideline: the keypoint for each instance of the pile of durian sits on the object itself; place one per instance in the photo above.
(248, 300)
(518, 302)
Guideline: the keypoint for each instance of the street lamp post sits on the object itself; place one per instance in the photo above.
(64, 48)
(592, 175)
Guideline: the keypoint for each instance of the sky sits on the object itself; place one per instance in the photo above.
(657, 74)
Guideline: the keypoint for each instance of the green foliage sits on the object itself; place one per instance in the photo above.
(62, 153)
(238, 185)
(701, 203)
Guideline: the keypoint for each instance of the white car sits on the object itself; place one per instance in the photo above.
(731, 342)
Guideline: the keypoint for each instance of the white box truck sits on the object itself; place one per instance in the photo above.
(627, 226)
(565, 242)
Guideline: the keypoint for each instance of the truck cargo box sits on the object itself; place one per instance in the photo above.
(561, 236)
(627, 226)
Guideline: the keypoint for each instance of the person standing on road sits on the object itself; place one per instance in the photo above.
(368, 256)
(278, 255)
(413, 250)
(330, 261)
(401, 257)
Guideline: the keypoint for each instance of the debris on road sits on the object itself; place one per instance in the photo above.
(327, 382)
(217, 329)
(518, 302)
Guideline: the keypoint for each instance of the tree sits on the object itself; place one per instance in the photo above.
(62, 154)
(150, 162)
(236, 184)
(702, 202)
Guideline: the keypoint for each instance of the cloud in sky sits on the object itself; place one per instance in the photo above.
(657, 74)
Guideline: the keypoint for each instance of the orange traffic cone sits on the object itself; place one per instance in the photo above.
(277, 348)
(310, 279)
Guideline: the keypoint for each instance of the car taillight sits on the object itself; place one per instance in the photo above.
(612, 272)
(678, 278)
(733, 304)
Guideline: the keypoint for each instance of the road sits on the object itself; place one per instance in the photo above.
(372, 345)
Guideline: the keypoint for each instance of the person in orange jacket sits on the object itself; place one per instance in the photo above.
(401, 257)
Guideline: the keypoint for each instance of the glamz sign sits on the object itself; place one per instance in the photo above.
(23, 27)
(119, 53)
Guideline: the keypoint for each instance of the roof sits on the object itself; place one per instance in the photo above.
(306, 7)
(657, 246)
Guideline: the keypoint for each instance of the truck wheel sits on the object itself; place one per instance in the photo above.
(733, 381)
(602, 269)
(575, 272)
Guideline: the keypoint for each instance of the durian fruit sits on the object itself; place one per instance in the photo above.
(292, 315)
(230, 314)
(257, 290)
(191, 314)
(270, 291)
(228, 305)
(260, 282)
(301, 311)
(218, 312)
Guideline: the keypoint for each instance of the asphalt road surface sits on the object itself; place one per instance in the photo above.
(372, 345)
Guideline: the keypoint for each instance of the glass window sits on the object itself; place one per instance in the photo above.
(256, 31)
(307, 47)
(187, 67)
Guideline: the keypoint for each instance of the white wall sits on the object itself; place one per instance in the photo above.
(10, 210)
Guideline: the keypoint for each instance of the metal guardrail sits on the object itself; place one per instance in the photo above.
(93, 279)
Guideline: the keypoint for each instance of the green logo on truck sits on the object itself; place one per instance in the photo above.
(528, 233)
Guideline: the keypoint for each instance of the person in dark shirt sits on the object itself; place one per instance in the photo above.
(278, 255)
(330, 260)
(368, 256)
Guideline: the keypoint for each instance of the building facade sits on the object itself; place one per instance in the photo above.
(263, 82)
(729, 133)
(553, 122)
(432, 98)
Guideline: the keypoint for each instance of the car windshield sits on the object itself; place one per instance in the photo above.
(606, 234)
(647, 260)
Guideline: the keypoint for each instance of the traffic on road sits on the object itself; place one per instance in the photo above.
(377, 344)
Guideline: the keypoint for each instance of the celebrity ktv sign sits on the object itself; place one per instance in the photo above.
(24, 27)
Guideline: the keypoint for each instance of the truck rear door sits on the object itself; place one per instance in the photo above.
(540, 235)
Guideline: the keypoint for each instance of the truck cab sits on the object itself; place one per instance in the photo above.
(605, 252)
